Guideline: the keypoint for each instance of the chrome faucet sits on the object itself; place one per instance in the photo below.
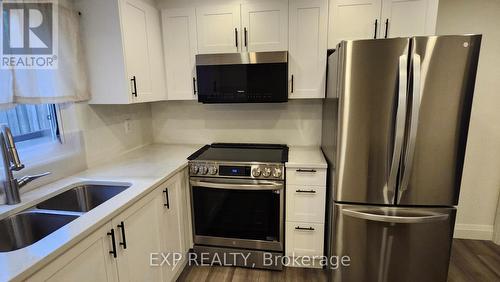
(11, 163)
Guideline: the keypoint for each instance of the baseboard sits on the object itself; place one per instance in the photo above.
(473, 231)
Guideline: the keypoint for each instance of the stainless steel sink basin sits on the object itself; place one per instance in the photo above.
(82, 198)
(23, 229)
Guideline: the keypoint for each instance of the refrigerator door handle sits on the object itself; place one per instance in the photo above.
(412, 134)
(422, 218)
(390, 189)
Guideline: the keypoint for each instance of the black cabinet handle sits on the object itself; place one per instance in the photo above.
(376, 26)
(292, 85)
(305, 191)
(306, 170)
(304, 228)
(166, 198)
(122, 227)
(194, 85)
(134, 86)
(236, 37)
(113, 241)
(246, 36)
(386, 27)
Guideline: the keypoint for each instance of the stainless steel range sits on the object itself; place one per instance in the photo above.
(237, 197)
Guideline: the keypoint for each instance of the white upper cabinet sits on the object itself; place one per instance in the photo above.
(403, 18)
(265, 26)
(135, 41)
(122, 39)
(353, 19)
(308, 48)
(179, 35)
(218, 29)
(365, 19)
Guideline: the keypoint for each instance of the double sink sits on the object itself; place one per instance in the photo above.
(27, 227)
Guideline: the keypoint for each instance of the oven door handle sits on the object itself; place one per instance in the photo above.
(263, 186)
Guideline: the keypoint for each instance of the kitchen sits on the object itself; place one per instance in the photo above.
(146, 149)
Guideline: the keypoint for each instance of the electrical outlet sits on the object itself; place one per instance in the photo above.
(126, 123)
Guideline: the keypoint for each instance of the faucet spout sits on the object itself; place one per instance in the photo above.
(28, 178)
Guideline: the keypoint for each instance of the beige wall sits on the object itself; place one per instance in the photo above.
(297, 122)
(481, 178)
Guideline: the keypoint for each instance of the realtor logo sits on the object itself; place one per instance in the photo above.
(29, 34)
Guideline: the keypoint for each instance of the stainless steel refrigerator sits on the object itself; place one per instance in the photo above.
(395, 125)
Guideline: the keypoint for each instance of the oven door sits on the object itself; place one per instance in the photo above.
(238, 213)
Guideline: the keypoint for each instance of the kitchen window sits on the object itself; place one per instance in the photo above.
(32, 125)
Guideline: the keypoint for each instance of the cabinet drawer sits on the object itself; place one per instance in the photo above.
(306, 176)
(304, 239)
(305, 203)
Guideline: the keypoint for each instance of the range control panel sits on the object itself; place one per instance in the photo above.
(255, 171)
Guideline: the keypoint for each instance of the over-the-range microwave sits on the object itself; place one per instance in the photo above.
(253, 77)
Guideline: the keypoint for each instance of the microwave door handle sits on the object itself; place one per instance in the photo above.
(238, 186)
(431, 217)
(412, 135)
(390, 189)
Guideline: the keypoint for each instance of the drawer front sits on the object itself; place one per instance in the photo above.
(304, 239)
(305, 203)
(306, 176)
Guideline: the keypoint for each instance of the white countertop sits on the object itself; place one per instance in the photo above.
(306, 157)
(144, 169)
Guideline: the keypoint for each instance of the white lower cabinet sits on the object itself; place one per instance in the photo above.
(305, 203)
(304, 239)
(137, 232)
(305, 215)
(89, 260)
(121, 249)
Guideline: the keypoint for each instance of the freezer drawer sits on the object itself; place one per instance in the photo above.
(392, 244)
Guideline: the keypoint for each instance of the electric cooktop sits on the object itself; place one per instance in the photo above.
(235, 152)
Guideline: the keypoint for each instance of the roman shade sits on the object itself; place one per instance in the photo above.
(65, 83)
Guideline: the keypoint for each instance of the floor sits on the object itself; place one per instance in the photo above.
(471, 260)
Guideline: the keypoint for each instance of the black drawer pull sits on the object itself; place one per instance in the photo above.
(386, 27)
(376, 26)
(236, 37)
(113, 242)
(194, 85)
(134, 86)
(304, 228)
(166, 198)
(122, 227)
(305, 191)
(306, 170)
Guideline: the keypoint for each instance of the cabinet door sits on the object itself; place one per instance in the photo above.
(218, 29)
(156, 56)
(265, 26)
(173, 231)
(138, 234)
(403, 18)
(179, 34)
(135, 40)
(308, 48)
(353, 19)
(304, 239)
(305, 203)
(89, 260)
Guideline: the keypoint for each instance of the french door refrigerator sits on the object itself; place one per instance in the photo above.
(395, 125)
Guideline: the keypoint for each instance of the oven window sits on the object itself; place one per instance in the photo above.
(242, 214)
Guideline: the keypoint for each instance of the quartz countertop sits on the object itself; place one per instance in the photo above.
(144, 169)
(306, 157)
